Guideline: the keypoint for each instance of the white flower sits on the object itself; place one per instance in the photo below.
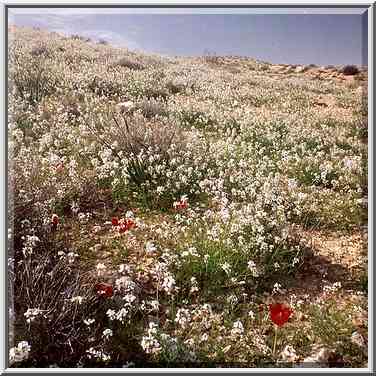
(77, 299)
(71, 257)
(88, 322)
(125, 269)
(107, 333)
(226, 267)
(125, 283)
(150, 247)
(253, 268)
(129, 214)
(359, 340)
(97, 229)
(277, 288)
(128, 365)
(251, 314)
(183, 317)
(129, 298)
(232, 299)
(194, 285)
(92, 353)
(237, 328)
(190, 342)
(150, 345)
(20, 352)
(204, 337)
(111, 314)
(31, 314)
(122, 314)
(82, 217)
(289, 354)
(154, 305)
(101, 268)
(168, 284)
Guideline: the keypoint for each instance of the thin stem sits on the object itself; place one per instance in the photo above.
(275, 339)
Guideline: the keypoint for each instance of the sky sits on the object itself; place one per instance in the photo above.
(321, 38)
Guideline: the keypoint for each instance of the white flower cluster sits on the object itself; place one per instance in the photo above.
(329, 289)
(32, 313)
(20, 352)
(183, 317)
(97, 354)
(237, 328)
(149, 342)
(30, 242)
(107, 333)
(253, 268)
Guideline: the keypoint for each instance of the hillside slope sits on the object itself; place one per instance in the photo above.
(175, 201)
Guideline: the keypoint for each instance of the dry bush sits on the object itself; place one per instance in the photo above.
(33, 79)
(143, 145)
(151, 108)
(211, 57)
(156, 92)
(131, 63)
(39, 51)
(105, 87)
(132, 134)
(77, 37)
(175, 87)
(45, 282)
(350, 70)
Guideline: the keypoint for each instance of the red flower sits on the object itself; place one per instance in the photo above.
(55, 219)
(54, 222)
(104, 289)
(60, 167)
(115, 221)
(130, 223)
(279, 313)
(127, 224)
(123, 227)
(182, 204)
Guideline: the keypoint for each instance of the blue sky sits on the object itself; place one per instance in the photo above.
(319, 38)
